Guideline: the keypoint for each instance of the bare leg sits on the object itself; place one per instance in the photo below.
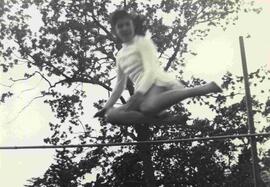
(158, 100)
(122, 117)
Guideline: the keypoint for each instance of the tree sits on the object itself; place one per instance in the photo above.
(75, 46)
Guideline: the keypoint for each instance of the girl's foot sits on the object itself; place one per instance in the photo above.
(163, 114)
(214, 87)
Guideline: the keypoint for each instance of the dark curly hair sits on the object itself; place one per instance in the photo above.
(138, 21)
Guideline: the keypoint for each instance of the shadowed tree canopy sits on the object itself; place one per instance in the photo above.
(75, 46)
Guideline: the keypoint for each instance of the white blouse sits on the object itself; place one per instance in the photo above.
(138, 60)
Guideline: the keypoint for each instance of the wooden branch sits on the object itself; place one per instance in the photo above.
(181, 36)
(28, 104)
(101, 26)
(96, 82)
(172, 58)
(30, 76)
(72, 79)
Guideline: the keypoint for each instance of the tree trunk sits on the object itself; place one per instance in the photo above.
(144, 150)
(145, 155)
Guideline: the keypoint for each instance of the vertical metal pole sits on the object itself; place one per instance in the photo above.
(255, 169)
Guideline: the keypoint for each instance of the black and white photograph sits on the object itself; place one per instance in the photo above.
(135, 93)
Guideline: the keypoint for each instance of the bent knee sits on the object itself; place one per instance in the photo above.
(112, 115)
(147, 109)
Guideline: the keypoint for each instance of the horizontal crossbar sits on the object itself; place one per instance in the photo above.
(138, 143)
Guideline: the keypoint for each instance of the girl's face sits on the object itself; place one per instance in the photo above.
(124, 29)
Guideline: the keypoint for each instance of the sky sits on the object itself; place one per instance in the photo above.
(217, 54)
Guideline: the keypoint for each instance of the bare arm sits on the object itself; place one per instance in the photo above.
(118, 89)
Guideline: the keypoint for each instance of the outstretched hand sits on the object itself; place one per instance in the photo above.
(101, 113)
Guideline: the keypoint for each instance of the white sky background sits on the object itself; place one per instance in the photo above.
(217, 53)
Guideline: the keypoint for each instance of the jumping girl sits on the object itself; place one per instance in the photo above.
(155, 90)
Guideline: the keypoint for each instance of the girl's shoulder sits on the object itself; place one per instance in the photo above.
(139, 43)
(145, 41)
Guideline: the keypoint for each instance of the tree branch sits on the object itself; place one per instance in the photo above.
(82, 125)
(172, 58)
(45, 62)
(30, 76)
(101, 26)
(22, 110)
(181, 36)
(213, 18)
(95, 82)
